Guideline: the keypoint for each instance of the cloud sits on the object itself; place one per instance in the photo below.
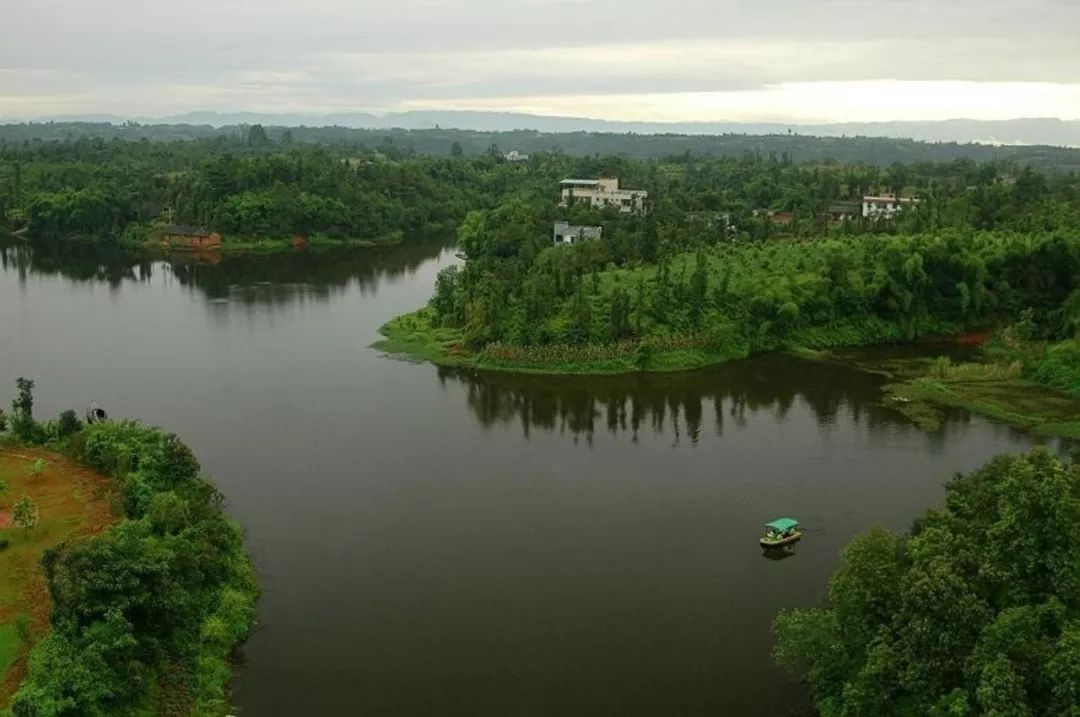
(131, 57)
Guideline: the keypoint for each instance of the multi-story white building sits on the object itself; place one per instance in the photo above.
(885, 206)
(603, 193)
(566, 233)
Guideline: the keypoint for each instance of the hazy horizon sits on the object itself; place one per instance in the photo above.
(782, 61)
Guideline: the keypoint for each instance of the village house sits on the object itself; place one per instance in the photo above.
(566, 233)
(603, 193)
(839, 211)
(774, 216)
(189, 237)
(516, 156)
(885, 206)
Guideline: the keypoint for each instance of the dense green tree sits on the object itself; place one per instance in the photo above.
(256, 136)
(974, 612)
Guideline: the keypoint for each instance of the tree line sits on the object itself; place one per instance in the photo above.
(262, 184)
(879, 151)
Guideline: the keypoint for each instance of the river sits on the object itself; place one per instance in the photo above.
(438, 542)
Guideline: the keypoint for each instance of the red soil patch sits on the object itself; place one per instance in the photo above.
(65, 490)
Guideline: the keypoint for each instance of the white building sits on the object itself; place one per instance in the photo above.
(515, 156)
(603, 193)
(885, 206)
(566, 233)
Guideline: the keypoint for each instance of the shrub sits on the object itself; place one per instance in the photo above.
(68, 424)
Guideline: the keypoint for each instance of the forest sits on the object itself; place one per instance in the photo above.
(262, 184)
(683, 287)
(974, 611)
(440, 141)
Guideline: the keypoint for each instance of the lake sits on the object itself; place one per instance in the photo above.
(440, 542)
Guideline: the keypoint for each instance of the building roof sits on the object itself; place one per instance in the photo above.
(590, 182)
(886, 198)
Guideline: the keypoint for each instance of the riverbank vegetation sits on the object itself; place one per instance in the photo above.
(145, 614)
(570, 308)
(972, 612)
(1014, 377)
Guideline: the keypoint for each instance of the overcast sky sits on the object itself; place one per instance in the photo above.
(764, 60)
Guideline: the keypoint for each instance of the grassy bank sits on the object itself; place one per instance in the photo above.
(73, 502)
(996, 390)
(923, 388)
(415, 336)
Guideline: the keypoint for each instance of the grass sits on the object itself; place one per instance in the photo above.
(997, 391)
(414, 336)
(71, 501)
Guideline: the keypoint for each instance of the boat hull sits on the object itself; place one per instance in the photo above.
(793, 538)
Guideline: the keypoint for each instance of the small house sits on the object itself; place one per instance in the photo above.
(185, 237)
(566, 233)
(516, 156)
(603, 193)
(839, 211)
(885, 206)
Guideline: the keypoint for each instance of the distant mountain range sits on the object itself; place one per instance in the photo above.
(1036, 131)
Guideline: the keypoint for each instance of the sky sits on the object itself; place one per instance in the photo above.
(805, 61)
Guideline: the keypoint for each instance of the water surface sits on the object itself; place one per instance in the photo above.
(457, 543)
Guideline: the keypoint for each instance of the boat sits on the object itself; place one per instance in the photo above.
(781, 532)
(96, 414)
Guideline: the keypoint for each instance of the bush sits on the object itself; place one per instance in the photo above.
(1061, 367)
(68, 424)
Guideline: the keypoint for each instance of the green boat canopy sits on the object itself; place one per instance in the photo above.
(783, 524)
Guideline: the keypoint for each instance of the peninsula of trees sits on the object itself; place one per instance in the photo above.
(147, 612)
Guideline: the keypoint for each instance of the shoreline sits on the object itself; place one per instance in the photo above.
(909, 387)
(228, 247)
(160, 507)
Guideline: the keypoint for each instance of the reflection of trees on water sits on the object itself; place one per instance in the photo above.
(252, 278)
(683, 405)
(284, 277)
(78, 261)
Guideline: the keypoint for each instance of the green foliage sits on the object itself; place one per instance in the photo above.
(975, 612)
(1060, 367)
(37, 467)
(24, 513)
(23, 425)
(68, 424)
(169, 588)
(846, 291)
